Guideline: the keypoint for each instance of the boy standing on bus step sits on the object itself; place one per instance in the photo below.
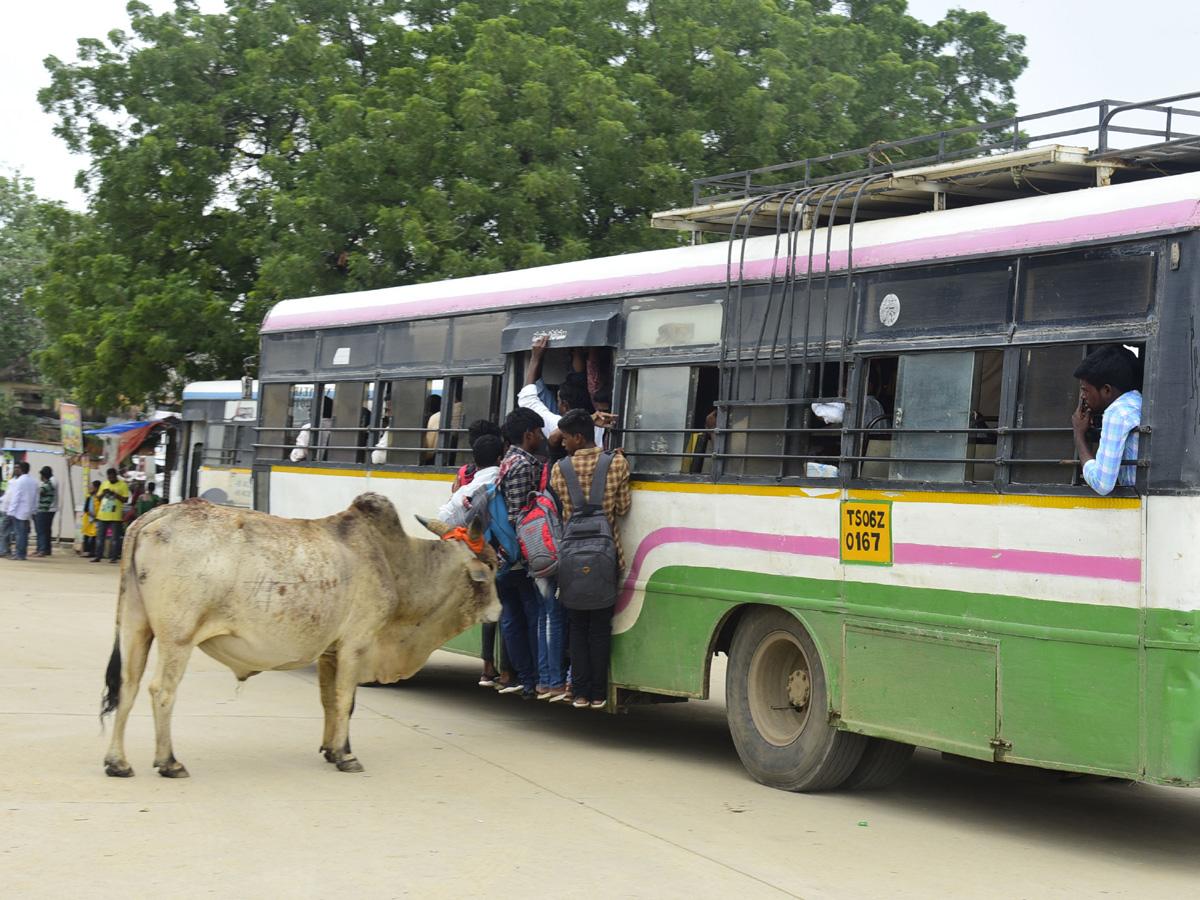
(591, 629)
(520, 473)
(1109, 382)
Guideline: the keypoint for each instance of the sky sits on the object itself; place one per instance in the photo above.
(1077, 53)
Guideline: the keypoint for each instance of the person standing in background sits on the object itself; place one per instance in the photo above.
(21, 507)
(112, 497)
(47, 506)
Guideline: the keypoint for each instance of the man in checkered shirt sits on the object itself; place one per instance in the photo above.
(591, 629)
(520, 472)
(1109, 382)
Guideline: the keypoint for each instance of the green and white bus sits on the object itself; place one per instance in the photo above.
(886, 530)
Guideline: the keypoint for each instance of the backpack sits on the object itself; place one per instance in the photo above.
(539, 531)
(587, 554)
(497, 530)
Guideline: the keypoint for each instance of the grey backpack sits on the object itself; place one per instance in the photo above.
(587, 554)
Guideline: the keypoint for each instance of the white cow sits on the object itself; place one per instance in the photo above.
(257, 593)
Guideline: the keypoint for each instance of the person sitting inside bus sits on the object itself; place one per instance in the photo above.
(1109, 383)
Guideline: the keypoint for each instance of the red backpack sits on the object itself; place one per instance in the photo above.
(539, 529)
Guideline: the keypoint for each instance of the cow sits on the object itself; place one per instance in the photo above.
(257, 592)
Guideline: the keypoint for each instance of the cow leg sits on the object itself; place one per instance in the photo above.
(342, 686)
(137, 640)
(172, 662)
(326, 672)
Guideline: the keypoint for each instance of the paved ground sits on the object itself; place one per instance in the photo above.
(468, 794)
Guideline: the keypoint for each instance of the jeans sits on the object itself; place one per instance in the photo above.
(105, 529)
(41, 523)
(518, 623)
(551, 635)
(488, 651)
(21, 530)
(591, 639)
(7, 534)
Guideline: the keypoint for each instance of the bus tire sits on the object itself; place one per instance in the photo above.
(881, 764)
(777, 699)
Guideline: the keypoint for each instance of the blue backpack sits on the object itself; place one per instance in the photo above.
(497, 530)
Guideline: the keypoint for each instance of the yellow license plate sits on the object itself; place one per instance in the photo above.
(867, 532)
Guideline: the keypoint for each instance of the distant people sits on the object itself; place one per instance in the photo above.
(304, 438)
(47, 506)
(147, 501)
(1110, 381)
(88, 527)
(21, 508)
(112, 495)
(6, 526)
(591, 629)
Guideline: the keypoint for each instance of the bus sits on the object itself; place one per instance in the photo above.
(217, 422)
(848, 426)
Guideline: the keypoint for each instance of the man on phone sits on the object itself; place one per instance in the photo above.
(1109, 382)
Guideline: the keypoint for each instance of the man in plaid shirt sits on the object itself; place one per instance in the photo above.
(1109, 382)
(520, 472)
(591, 629)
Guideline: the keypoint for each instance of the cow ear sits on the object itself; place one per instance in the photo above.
(479, 572)
(475, 530)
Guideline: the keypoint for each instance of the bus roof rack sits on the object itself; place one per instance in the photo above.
(1106, 142)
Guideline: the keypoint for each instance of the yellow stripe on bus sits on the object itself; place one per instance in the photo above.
(900, 496)
(219, 469)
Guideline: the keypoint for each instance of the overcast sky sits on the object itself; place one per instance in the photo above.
(1077, 53)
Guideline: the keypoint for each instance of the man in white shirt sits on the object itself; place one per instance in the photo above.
(488, 450)
(23, 493)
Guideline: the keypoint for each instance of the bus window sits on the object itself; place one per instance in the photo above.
(947, 410)
(299, 421)
(1047, 395)
(667, 408)
(409, 407)
(350, 410)
(275, 412)
(480, 399)
(1101, 283)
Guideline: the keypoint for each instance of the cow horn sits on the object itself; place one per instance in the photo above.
(437, 526)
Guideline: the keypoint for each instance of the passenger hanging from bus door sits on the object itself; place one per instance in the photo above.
(572, 394)
(1110, 382)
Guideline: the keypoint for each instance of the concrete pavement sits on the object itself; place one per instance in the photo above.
(469, 794)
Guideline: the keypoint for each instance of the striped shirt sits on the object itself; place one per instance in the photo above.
(616, 489)
(1118, 442)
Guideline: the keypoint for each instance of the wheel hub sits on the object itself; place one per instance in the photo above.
(799, 689)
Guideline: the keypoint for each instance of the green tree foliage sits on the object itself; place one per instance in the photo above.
(300, 147)
(28, 227)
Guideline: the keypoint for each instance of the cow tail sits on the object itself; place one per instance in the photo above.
(111, 697)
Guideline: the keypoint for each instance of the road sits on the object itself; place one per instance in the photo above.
(469, 794)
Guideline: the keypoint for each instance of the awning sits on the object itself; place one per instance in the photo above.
(594, 327)
(131, 434)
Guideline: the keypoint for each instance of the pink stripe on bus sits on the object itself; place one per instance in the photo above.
(1032, 562)
(1165, 216)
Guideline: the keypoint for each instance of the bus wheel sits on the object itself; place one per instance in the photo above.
(881, 764)
(776, 700)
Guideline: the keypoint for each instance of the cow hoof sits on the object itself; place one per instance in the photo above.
(174, 770)
(118, 769)
(349, 765)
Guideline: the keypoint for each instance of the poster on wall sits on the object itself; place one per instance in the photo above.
(8, 465)
(72, 427)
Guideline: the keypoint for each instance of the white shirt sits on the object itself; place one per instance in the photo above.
(529, 399)
(454, 511)
(24, 493)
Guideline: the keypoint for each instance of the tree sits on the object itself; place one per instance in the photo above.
(303, 147)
